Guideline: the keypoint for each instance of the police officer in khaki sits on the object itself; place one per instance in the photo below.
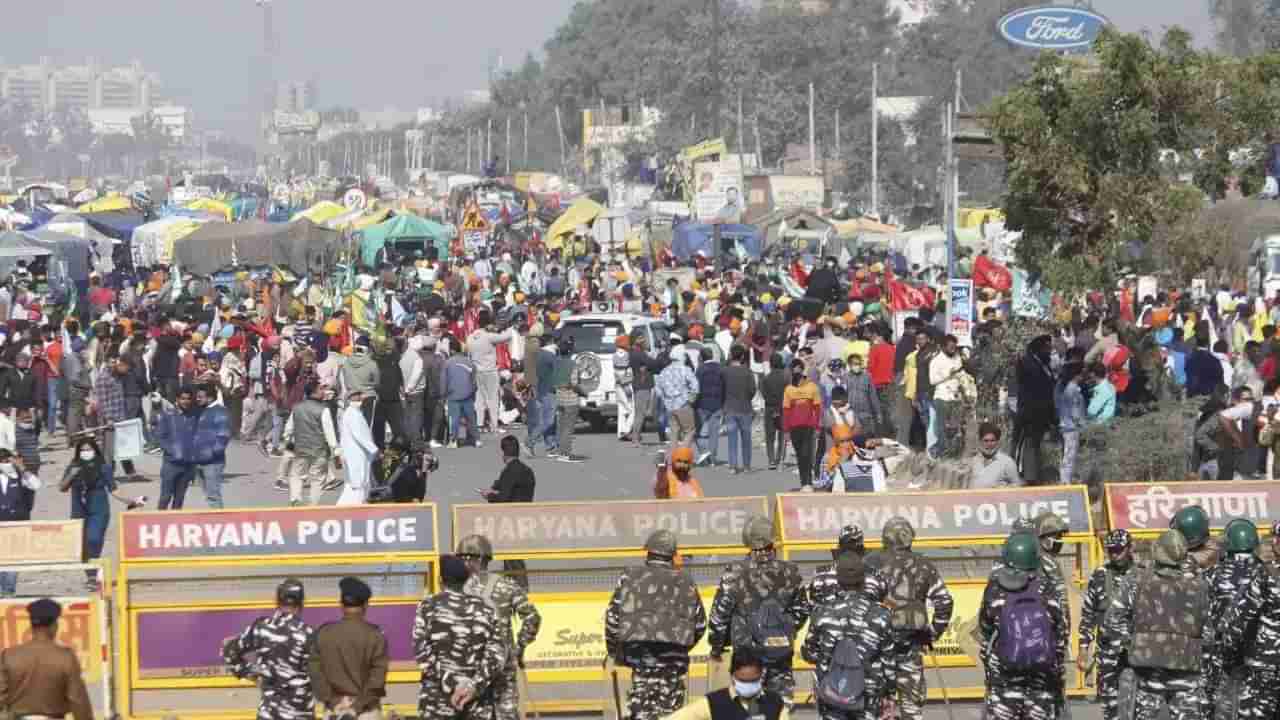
(654, 619)
(40, 678)
(349, 661)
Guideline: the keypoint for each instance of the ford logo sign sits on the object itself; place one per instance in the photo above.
(1052, 28)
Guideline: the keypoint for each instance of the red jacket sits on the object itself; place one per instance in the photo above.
(880, 364)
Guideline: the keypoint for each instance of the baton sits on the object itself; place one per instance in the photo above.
(946, 697)
(532, 706)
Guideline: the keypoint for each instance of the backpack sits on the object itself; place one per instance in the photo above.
(1026, 641)
(845, 682)
(906, 611)
(762, 623)
(1206, 437)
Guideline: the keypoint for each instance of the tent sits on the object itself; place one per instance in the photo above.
(117, 225)
(214, 207)
(321, 212)
(152, 244)
(300, 246)
(106, 204)
(583, 211)
(78, 226)
(403, 230)
(690, 238)
(70, 259)
(245, 207)
(16, 244)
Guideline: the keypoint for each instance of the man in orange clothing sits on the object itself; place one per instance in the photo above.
(675, 477)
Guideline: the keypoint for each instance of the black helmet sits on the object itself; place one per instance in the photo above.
(290, 592)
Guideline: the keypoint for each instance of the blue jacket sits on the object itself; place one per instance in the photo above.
(175, 433)
(459, 379)
(710, 386)
(212, 433)
(546, 369)
(1204, 373)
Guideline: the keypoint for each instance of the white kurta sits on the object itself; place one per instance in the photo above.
(358, 450)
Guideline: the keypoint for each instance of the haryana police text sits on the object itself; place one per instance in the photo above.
(962, 517)
(383, 531)
(582, 525)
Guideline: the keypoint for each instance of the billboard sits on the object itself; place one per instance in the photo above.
(1052, 28)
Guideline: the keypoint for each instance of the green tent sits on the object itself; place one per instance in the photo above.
(405, 233)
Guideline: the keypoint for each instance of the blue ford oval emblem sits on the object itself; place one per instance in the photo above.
(1052, 28)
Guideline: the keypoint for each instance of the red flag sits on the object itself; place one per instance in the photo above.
(991, 274)
(906, 297)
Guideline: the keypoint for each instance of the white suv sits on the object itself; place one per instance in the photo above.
(596, 333)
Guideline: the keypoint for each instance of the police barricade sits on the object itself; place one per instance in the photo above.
(47, 559)
(961, 532)
(578, 550)
(1146, 509)
(190, 580)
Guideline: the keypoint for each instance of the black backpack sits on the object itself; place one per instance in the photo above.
(844, 685)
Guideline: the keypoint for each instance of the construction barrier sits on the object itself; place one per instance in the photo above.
(961, 532)
(189, 580)
(577, 550)
(1145, 509)
(49, 549)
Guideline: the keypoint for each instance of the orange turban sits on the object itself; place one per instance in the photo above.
(623, 341)
(682, 454)
(841, 432)
(735, 325)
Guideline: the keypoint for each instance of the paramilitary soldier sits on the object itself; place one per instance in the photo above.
(275, 651)
(1024, 636)
(654, 619)
(849, 637)
(1193, 523)
(507, 598)
(1161, 616)
(824, 585)
(760, 606)
(1228, 580)
(1251, 635)
(1103, 587)
(911, 584)
(459, 649)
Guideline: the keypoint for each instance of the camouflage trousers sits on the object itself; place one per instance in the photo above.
(506, 695)
(656, 692)
(904, 668)
(1181, 693)
(1109, 667)
(286, 703)
(433, 702)
(1015, 700)
(1212, 662)
(1260, 693)
(781, 679)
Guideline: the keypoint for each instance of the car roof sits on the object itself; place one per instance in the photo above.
(625, 318)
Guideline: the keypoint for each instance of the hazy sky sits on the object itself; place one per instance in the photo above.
(368, 54)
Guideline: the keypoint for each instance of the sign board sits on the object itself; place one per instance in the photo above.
(960, 311)
(278, 532)
(716, 185)
(950, 515)
(41, 543)
(354, 199)
(1148, 286)
(527, 528)
(1052, 28)
(1199, 288)
(79, 628)
(1030, 298)
(900, 322)
(792, 192)
(1139, 507)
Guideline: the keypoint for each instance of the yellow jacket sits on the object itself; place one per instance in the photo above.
(909, 376)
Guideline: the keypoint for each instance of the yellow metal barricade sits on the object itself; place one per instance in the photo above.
(190, 580)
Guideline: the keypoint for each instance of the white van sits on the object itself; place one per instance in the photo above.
(596, 333)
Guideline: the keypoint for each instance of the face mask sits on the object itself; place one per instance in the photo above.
(1054, 546)
(87, 455)
(855, 369)
(7, 469)
(747, 689)
(1123, 563)
(989, 453)
(26, 425)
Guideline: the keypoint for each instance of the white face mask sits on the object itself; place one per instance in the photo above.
(747, 689)
(26, 425)
(8, 470)
(87, 455)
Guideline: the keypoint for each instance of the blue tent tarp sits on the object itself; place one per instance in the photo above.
(690, 238)
(117, 225)
(401, 230)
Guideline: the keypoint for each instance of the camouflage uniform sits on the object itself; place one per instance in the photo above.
(456, 639)
(1227, 581)
(906, 662)
(760, 569)
(1251, 631)
(1103, 586)
(1020, 696)
(276, 650)
(854, 614)
(508, 598)
(654, 618)
(1145, 627)
(823, 588)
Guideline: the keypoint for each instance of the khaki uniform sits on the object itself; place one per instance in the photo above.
(43, 678)
(349, 660)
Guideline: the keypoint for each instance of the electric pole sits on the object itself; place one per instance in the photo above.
(715, 68)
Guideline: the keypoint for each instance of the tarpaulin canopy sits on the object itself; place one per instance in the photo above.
(16, 244)
(245, 207)
(371, 218)
(400, 231)
(117, 225)
(105, 204)
(321, 211)
(690, 238)
(301, 246)
(78, 226)
(152, 244)
(71, 251)
(215, 207)
(583, 211)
